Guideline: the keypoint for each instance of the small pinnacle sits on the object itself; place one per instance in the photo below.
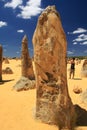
(24, 38)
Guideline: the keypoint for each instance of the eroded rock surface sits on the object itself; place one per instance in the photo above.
(7, 70)
(27, 80)
(49, 41)
(84, 69)
(24, 84)
(1, 51)
(27, 68)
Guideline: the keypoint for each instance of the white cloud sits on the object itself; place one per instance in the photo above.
(74, 43)
(2, 24)
(78, 30)
(30, 49)
(70, 52)
(69, 32)
(20, 31)
(85, 51)
(14, 3)
(32, 8)
(80, 38)
(83, 43)
(82, 35)
(17, 52)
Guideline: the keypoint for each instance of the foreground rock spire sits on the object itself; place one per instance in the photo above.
(1, 51)
(53, 103)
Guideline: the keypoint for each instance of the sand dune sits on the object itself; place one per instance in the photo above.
(17, 109)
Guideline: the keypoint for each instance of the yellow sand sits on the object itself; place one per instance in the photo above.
(17, 109)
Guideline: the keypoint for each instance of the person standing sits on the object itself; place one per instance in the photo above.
(72, 69)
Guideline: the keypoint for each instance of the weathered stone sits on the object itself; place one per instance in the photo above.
(7, 70)
(84, 69)
(77, 90)
(27, 81)
(1, 51)
(50, 46)
(27, 68)
(24, 84)
(6, 61)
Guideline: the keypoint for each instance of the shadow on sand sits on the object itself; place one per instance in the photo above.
(81, 116)
(4, 81)
(77, 79)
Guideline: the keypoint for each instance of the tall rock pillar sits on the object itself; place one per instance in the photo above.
(1, 51)
(27, 68)
(25, 56)
(53, 103)
(27, 80)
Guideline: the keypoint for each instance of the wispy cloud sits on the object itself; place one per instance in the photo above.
(78, 30)
(13, 4)
(83, 43)
(2, 23)
(20, 31)
(30, 49)
(70, 52)
(82, 39)
(17, 52)
(32, 8)
(74, 43)
(85, 51)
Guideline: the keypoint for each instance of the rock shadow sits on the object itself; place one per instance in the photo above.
(81, 115)
(4, 81)
(77, 79)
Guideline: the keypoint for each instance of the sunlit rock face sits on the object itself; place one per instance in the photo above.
(1, 51)
(27, 67)
(50, 46)
(84, 69)
(27, 80)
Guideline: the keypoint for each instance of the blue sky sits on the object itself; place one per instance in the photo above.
(19, 17)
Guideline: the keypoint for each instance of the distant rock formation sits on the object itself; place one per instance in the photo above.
(84, 69)
(50, 46)
(77, 90)
(6, 61)
(1, 51)
(83, 97)
(7, 70)
(27, 81)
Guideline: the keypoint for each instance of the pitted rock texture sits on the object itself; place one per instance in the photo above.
(50, 47)
(27, 80)
(1, 52)
(24, 84)
(84, 69)
(27, 68)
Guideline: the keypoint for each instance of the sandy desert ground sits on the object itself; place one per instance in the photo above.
(17, 109)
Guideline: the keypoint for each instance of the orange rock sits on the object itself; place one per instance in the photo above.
(50, 48)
